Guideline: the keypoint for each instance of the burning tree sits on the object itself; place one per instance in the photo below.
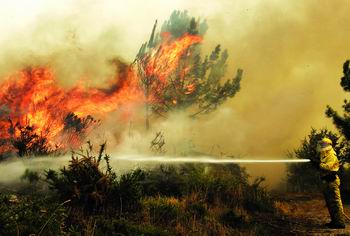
(38, 116)
(174, 74)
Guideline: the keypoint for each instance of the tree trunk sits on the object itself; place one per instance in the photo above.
(147, 109)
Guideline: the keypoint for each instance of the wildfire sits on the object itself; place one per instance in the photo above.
(35, 109)
(32, 98)
(190, 88)
(164, 60)
(166, 69)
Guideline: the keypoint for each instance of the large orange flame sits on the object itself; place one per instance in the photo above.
(164, 60)
(32, 97)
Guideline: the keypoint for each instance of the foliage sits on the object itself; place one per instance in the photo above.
(129, 190)
(158, 143)
(308, 147)
(257, 198)
(224, 184)
(28, 142)
(28, 215)
(127, 228)
(88, 197)
(197, 83)
(180, 23)
(342, 122)
(78, 124)
(91, 188)
(164, 211)
(303, 177)
(31, 176)
(83, 181)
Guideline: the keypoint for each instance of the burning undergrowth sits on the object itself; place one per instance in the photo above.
(38, 116)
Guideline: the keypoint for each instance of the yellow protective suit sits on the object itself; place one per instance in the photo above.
(329, 165)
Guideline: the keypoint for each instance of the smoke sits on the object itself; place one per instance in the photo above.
(291, 53)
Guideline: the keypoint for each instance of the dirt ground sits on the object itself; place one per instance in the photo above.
(302, 214)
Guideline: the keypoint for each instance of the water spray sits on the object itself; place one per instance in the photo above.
(209, 160)
(12, 170)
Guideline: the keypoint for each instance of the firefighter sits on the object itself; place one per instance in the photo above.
(329, 166)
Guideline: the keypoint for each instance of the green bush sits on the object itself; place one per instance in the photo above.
(127, 191)
(25, 215)
(93, 189)
(163, 211)
(197, 209)
(32, 176)
(123, 227)
(174, 199)
(83, 181)
(165, 181)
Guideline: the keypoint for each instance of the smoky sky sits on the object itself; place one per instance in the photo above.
(291, 53)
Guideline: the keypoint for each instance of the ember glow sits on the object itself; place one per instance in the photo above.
(33, 103)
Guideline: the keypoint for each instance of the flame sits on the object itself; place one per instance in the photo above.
(165, 59)
(32, 102)
(190, 88)
(33, 98)
(166, 67)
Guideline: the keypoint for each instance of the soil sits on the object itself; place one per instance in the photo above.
(302, 214)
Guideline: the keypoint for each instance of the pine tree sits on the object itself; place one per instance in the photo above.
(197, 84)
(342, 122)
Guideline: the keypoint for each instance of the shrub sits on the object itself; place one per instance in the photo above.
(123, 227)
(91, 188)
(257, 198)
(28, 216)
(28, 142)
(32, 176)
(175, 199)
(163, 210)
(127, 192)
(84, 182)
(164, 180)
